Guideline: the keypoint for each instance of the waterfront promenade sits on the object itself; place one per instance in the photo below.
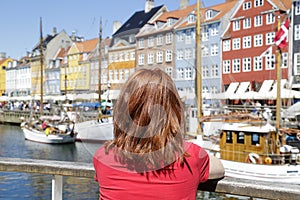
(59, 169)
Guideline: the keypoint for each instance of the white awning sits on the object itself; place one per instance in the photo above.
(241, 90)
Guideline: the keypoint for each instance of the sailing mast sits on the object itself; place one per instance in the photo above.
(99, 62)
(41, 62)
(198, 85)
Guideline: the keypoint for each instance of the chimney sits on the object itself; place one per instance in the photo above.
(116, 26)
(2, 55)
(73, 36)
(183, 4)
(54, 32)
(149, 5)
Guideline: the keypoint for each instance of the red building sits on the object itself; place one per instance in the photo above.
(251, 32)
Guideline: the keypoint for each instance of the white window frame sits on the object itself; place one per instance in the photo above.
(297, 8)
(297, 63)
(270, 18)
(141, 59)
(270, 38)
(168, 55)
(258, 20)
(247, 5)
(258, 40)
(247, 42)
(257, 64)
(226, 45)
(297, 32)
(180, 54)
(236, 65)
(159, 40)
(150, 58)
(258, 3)
(247, 64)
(159, 57)
(214, 51)
(169, 38)
(236, 43)
(150, 41)
(247, 23)
(270, 62)
(226, 66)
(141, 43)
(236, 25)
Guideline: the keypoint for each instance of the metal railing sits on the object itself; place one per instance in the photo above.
(258, 189)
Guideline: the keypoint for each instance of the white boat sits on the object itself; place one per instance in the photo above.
(55, 133)
(95, 130)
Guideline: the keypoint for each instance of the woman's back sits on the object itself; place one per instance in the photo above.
(177, 182)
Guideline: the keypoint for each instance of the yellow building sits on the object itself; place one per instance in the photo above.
(3, 66)
(78, 69)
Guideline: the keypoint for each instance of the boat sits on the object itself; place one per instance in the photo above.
(48, 129)
(251, 147)
(97, 128)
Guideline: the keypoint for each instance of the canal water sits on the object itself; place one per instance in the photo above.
(31, 186)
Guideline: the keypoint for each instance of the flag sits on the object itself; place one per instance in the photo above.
(267, 52)
(281, 35)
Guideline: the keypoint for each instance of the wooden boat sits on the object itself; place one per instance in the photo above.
(47, 129)
(56, 132)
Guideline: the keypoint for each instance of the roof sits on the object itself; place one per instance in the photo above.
(87, 46)
(46, 40)
(222, 10)
(138, 20)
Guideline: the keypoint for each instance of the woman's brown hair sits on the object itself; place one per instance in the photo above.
(149, 123)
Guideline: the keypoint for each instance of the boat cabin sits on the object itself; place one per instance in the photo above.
(244, 142)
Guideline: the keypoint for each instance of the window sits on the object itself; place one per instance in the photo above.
(150, 58)
(141, 59)
(204, 51)
(205, 71)
(169, 56)
(270, 18)
(159, 57)
(169, 71)
(236, 43)
(270, 62)
(214, 70)
(191, 18)
(258, 20)
(247, 42)
(257, 63)
(214, 30)
(240, 138)
(169, 38)
(270, 38)
(150, 42)
(236, 25)
(297, 63)
(226, 66)
(247, 23)
(284, 62)
(208, 14)
(188, 73)
(258, 3)
(258, 40)
(188, 37)
(179, 54)
(180, 74)
(236, 65)
(141, 43)
(297, 8)
(180, 36)
(188, 54)
(159, 40)
(247, 5)
(297, 32)
(228, 137)
(205, 34)
(255, 139)
(246, 64)
(214, 50)
(226, 45)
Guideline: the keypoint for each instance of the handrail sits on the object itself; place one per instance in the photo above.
(243, 187)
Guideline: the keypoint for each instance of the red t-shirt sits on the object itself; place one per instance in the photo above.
(118, 183)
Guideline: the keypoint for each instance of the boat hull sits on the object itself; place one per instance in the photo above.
(274, 173)
(94, 130)
(40, 136)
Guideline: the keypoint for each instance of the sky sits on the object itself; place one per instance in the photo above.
(20, 20)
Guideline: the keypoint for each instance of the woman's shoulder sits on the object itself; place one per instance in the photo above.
(194, 149)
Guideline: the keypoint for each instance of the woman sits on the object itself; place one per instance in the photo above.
(148, 157)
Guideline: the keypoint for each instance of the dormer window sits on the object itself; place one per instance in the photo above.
(208, 14)
(170, 21)
(191, 18)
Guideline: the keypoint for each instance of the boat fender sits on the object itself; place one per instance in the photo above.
(268, 160)
(298, 136)
(253, 158)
